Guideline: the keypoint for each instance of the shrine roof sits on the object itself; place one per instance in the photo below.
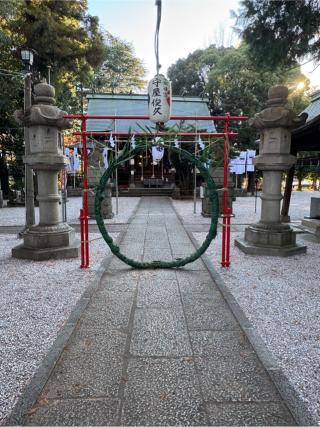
(133, 104)
(306, 137)
(313, 108)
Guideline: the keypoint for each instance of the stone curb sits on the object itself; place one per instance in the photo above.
(295, 404)
(33, 389)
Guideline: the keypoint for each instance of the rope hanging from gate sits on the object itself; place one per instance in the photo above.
(156, 37)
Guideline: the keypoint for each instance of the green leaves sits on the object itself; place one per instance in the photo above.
(121, 71)
(280, 32)
(234, 83)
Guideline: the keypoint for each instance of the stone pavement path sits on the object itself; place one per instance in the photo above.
(158, 347)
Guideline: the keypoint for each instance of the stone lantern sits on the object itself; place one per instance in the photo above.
(51, 238)
(269, 236)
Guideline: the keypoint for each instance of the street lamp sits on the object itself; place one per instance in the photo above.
(27, 56)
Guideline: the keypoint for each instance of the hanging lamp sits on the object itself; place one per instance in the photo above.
(159, 88)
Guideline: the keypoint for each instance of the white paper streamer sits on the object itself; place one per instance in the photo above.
(201, 143)
(133, 142)
(105, 157)
(111, 141)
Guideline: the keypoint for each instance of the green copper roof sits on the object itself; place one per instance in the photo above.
(103, 104)
(313, 108)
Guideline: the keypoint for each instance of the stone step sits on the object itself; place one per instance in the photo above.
(138, 192)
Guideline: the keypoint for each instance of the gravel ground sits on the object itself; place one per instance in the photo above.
(126, 207)
(16, 216)
(280, 296)
(36, 300)
(185, 210)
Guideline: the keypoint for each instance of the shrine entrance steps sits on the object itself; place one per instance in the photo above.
(146, 192)
(158, 347)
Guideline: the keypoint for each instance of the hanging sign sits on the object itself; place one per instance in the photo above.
(105, 157)
(75, 165)
(159, 99)
(157, 154)
(250, 165)
(157, 150)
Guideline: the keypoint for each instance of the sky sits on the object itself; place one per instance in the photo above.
(186, 25)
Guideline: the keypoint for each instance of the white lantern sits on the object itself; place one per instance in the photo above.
(159, 99)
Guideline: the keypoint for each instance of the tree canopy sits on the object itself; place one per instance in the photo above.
(69, 40)
(122, 71)
(11, 86)
(64, 36)
(233, 83)
(280, 32)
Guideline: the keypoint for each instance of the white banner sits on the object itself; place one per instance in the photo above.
(105, 158)
(157, 153)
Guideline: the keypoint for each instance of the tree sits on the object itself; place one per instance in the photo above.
(280, 32)
(121, 72)
(234, 83)
(301, 173)
(11, 84)
(314, 176)
(65, 37)
(190, 76)
(238, 86)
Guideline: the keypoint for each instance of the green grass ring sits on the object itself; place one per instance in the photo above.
(125, 155)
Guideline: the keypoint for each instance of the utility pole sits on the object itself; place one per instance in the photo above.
(28, 179)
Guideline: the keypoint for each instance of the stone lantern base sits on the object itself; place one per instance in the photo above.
(48, 242)
(94, 176)
(261, 239)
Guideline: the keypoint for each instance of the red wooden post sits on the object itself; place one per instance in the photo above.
(82, 265)
(228, 231)
(225, 258)
(85, 192)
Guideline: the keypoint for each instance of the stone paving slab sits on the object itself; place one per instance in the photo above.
(109, 314)
(221, 343)
(85, 375)
(160, 293)
(221, 383)
(158, 347)
(76, 412)
(162, 392)
(88, 341)
(160, 332)
(209, 316)
(250, 414)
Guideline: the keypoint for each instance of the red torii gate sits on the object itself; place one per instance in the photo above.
(226, 222)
